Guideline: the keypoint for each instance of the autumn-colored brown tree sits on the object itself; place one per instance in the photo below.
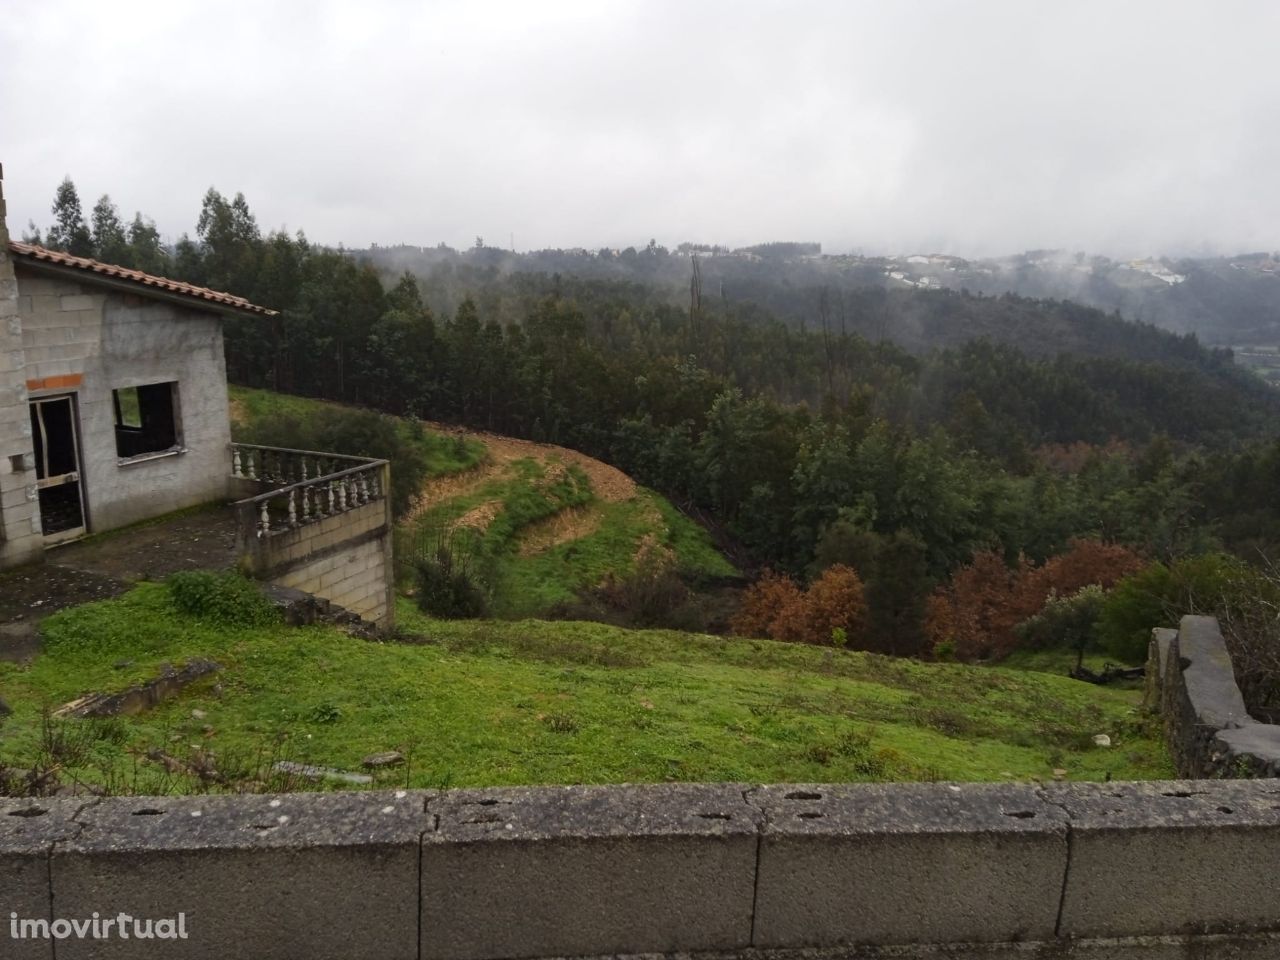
(771, 599)
(1085, 562)
(776, 607)
(976, 612)
(835, 601)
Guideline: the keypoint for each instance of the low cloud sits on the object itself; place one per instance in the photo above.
(972, 128)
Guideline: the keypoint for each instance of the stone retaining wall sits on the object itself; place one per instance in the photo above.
(1191, 683)
(1155, 871)
(344, 558)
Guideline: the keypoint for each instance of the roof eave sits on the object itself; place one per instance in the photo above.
(139, 288)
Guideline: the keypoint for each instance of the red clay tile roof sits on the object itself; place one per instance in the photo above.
(30, 252)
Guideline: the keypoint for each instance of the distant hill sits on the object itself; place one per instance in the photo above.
(1226, 301)
(1223, 300)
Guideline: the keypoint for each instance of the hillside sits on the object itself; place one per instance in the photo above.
(523, 701)
(543, 523)
(834, 323)
(491, 702)
(1223, 300)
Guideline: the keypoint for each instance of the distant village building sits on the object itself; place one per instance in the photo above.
(113, 409)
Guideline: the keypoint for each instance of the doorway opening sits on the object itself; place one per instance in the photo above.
(55, 434)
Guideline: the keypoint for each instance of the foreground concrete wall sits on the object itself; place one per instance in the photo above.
(88, 341)
(20, 534)
(1192, 684)
(1151, 871)
(345, 558)
(918, 863)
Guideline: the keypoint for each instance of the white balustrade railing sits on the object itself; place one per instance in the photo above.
(308, 485)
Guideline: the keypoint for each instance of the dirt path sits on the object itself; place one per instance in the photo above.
(609, 483)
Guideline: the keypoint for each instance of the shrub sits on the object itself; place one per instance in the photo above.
(446, 569)
(1132, 609)
(651, 594)
(1242, 598)
(1065, 622)
(448, 587)
(1250, 618)
(225, 598)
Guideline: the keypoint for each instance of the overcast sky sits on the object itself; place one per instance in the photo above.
(1122, 127)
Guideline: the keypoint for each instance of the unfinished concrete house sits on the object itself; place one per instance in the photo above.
(113, 409)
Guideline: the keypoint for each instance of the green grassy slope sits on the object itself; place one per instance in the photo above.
(540, 581)
(516, 497)
(530, 702)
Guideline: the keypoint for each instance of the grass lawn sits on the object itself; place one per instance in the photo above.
(1062, 662)
(532, 702)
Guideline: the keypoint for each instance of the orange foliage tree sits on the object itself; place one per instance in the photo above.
(976, 612)
(767, 605)
(1085, 562)
(776, 607)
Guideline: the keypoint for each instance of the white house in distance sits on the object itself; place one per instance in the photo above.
(113, 396)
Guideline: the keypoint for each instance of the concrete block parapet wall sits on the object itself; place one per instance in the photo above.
(1153, 871)
(916, 863)
(1191, 683)
(534, 873)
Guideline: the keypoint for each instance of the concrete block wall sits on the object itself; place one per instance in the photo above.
(1191, 683)
(588, 871)
(917, 863)
(90, 341)
(345, 559)
(21, 539)
(1151, 871)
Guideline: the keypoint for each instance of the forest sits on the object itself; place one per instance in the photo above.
(923, 439)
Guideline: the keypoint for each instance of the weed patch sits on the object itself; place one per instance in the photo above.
(224, 598)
